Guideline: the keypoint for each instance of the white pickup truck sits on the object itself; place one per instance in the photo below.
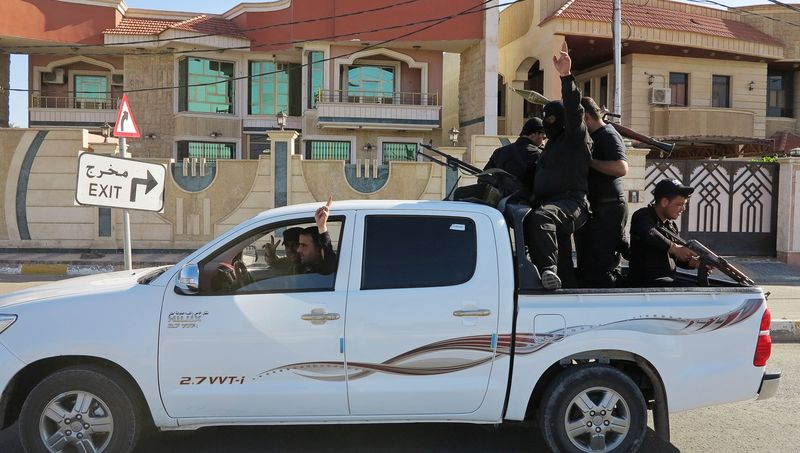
(432, 314)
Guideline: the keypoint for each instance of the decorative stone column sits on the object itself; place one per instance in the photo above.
(633, 184)
(451, 176)
(788, 242)
(282, 149)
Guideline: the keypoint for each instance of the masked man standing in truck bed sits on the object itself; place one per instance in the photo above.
(560, 182)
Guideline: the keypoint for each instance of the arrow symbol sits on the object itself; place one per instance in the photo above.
(149, 183)
(123, 119)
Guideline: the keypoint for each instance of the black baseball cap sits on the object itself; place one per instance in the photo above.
(532, 125)
(671, 187)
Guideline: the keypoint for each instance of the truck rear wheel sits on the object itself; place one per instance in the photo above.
(79, 410)
(591, 408)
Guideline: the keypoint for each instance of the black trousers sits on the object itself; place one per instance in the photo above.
(553, 220)
(599, 243)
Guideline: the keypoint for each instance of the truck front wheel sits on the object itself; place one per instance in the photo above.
(81, 410)
(593, 408)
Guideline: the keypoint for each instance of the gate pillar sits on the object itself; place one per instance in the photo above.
(788, 242)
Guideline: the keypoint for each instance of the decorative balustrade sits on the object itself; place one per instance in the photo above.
(61, 102)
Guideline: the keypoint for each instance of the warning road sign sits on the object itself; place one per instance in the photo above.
(120, 183)
(126, 125)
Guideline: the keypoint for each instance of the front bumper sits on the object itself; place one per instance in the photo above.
(769, 385)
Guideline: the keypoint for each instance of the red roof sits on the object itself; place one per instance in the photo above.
(203, 24)
(667, 19)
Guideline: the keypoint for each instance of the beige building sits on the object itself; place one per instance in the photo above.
(717, 83)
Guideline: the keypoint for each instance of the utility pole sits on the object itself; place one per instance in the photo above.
(616, 38)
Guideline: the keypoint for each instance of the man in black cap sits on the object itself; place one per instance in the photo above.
(290, 263)
(560, 181)
(599, 241)
(519, 158)
(653, 256)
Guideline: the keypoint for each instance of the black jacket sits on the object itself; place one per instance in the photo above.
(650, 258)
(563, 166)
(518, 158)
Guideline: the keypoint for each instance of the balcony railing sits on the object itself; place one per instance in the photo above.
(60, 102)
(377, 97)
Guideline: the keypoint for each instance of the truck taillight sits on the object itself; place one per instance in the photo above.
(764, 344)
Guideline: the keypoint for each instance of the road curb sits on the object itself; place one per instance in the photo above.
(66, 269)
(785, 331)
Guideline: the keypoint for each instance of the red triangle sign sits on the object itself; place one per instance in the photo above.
(126, 125)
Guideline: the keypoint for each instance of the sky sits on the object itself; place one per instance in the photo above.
(19, 63)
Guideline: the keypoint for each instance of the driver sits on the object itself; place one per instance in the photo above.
(290, 263)
(653, 256)
(314, 248)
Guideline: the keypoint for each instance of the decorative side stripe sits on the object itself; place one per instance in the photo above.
(22, 185)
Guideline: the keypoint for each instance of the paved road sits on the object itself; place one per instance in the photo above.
(759, 426)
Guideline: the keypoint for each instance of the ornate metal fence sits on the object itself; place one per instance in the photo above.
(734, 208)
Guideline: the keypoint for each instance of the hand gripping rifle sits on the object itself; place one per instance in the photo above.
(536, 98)
(707, 259)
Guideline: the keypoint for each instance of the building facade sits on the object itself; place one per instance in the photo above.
(717, 83)
(358, 79)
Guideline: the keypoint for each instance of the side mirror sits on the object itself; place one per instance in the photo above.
(188, 280)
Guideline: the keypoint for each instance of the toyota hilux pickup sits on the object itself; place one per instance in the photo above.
(433, 313)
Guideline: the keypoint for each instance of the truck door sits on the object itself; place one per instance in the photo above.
(421, 313)
(250, 342)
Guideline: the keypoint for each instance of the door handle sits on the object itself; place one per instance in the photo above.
(319, 318)
(472, 313)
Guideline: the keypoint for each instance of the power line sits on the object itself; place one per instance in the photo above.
(437, 21)
(785, 5)
(206, 35)
(743, 11)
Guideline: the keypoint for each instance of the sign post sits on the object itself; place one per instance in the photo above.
(126, 127)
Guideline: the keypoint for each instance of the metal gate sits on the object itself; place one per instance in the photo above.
(734, 208)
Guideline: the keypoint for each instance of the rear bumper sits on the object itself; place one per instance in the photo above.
(769, 385)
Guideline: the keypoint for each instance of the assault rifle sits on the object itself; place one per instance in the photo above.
(450, 161)
(707, 259)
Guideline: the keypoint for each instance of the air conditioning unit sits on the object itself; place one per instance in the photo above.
(661, 96)
(56, 77)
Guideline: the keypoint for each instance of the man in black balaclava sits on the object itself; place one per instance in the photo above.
(560, 181)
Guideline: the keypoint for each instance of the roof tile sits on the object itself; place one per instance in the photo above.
(203, 24)
(654, 17)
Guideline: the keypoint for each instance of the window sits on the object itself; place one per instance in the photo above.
(210, 150)
(269, 88)
(603, 93)
(327, 150)
(90, 91)
(371, 81)
(780, 92)
(399, 151)
(258, 144)
(315, 77)
(262, 262)
(418, 252)
(217, 97)
(679, 85)
(720, 91)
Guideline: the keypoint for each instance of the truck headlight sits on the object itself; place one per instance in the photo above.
(6, 321)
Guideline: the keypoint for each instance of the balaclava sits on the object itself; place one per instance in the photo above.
(555, 128)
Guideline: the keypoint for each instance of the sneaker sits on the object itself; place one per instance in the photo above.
(550, 280)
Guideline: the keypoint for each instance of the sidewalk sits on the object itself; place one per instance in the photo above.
(781, 281)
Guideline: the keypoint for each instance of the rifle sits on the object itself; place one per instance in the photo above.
(450, 161)
(707, 258)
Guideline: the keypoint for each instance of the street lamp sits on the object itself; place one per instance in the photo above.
(105, 131)
(454, 135)
(281, 118)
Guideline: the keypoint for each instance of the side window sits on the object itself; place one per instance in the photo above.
(418, 252)
(289, 257)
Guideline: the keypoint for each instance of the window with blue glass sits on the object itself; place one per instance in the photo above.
(780, 92)
(371, 81)
(211, 151)
(269, 87)
(328, 150)
(398, 151)
(91, 88)
(315, 77)
(206, 86)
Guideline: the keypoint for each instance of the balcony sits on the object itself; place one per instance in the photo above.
(378, 110)
(53, 111)
(700, 122)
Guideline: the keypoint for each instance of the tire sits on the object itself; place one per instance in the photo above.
(78, 407)
(577, 416)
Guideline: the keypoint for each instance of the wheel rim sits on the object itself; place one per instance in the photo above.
(597, 419)
(76, 421)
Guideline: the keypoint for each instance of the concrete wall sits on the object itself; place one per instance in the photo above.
(154, 110)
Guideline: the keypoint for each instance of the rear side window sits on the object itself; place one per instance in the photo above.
(417, 252)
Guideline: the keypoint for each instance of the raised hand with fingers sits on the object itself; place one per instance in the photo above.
(321, 216)
(563, 63)
(271, 247)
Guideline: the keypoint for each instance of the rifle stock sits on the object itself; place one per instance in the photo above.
(708, 257)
